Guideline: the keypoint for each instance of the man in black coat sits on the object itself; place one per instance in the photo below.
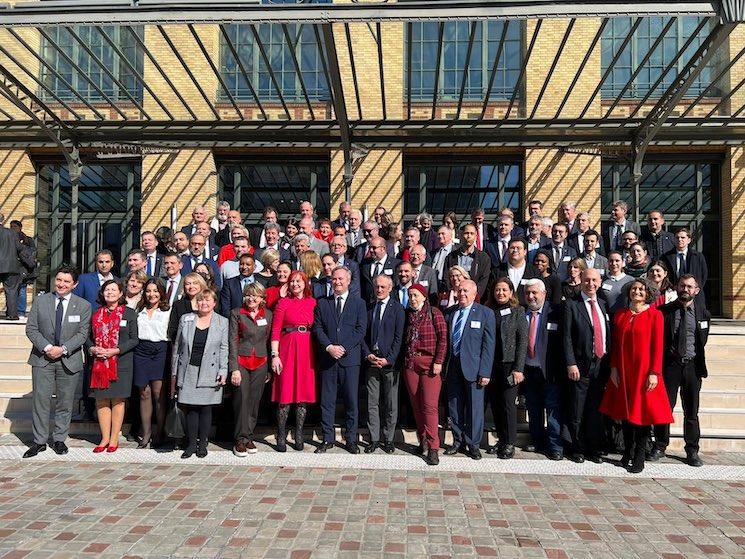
(586, 335)
(10, 268)
(223, 236)
(658, 240)
(380, 263)
(614, 229)
(231, 294)
(684, 364)
(380, 350)
(684, 260)
(476, 262)
(517, 268)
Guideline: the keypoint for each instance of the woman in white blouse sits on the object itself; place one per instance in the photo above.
(153, 314)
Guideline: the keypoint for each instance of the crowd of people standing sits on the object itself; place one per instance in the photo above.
(599, 331)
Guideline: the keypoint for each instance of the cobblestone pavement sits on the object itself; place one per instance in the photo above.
(148, 504)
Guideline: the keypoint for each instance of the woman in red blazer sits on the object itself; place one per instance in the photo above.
(636, 392)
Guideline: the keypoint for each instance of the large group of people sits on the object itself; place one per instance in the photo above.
(598, 332)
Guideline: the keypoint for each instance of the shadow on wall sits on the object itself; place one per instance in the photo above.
(17, 188)
(378, 180)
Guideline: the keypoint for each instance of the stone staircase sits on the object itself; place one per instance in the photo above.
(722, 413)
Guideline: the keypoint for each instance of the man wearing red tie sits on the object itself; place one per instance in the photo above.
(482, 229)
(586, 332)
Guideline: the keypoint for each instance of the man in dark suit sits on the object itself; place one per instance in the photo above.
(684, 260)
(618, 225)
(323, 287)
(136, 261)
(498, 249)
(535, 237)
(684, 364)
(271, 238)
(172, 281)
(380, 263)
(586, 338)
(10, 268)
(476, 262)
(231, 294)
(256, 233)
(58, 326)
(535, 209)
(381, 349)
(338, 248)
(543, 369)
(471, 342)
(196, 255)
(345, 208)
(423, 274)
(199, 215)
(576, 240)
(590, 252)
(517, 268)
(658, 240)
(153, 259)
(211, 249)
(339, 327)
(371, 230)
(562, 254)
(223, 236)
(568, 216)
(483, 232)
(89, 284)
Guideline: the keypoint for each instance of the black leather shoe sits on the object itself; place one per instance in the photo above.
(451, 450)
(556, 456)
(432, 458)
(187, 454)
(595, 458)
(655, 455)
(694, 460)
(388, 448)
(578, 457)
(201, 452)
(352, 448)
(369, 449)
(323, 447)
(507, 452)
(494, 449)
(474, 454)
(34, 449)
(59, 447)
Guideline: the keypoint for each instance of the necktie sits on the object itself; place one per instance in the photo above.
(328, 289)
(376, 323)
(597, 331)
(58, 320)
(504, 249)
(532, 333)
(681, 264)
(404, 297)
(149, 266)
(478, 239)
(169, 293)
(244, 283)
(557, 257)
(376, 270)
(457, 331)
(354, 238)
(338, 307)
(682, 332)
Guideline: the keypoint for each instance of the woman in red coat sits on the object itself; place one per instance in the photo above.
(636, 393)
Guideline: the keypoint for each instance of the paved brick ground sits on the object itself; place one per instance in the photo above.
(84, 507)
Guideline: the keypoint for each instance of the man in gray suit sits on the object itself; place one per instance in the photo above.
(423, 274)
(10, 268)
(58, 325)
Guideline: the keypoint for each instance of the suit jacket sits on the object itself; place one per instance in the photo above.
(600, 263)
(608, 232)
(550, 342)
(179, 288)
(187, 268)
(513, 338)
(319, 287)
(366, 279)
(530, 273)
(354, 268)
(88, 288)
(390, 332)
(186, 230)
(695, 264)
(338, 223)
(159, 270)
(318, 246)
(215, 357)
(247, 338)
(573, 241)
(76, 325)
(480, 269)
(360, 239)
(561, 268)
(222, 237)
(658, 245)
(347, 331)
(578, 334)
(476, 343)
(361, 250)
(428, 278)
(10, 248)
(492, 250)
(703, 323)
(231, 296)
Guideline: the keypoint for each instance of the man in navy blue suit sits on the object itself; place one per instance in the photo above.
(90, 284)
(231, 294)
(196, 255)
(381, 349)
(339, 326)
(322, 287)
(470, 357)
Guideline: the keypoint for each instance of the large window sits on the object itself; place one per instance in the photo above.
(423, 43)
(687, 191)
(437, 187)
(115, 53)
(636, 51)
(250, 64)
(251, 185)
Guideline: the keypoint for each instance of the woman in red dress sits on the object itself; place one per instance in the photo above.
(279, 291)
(292, 357)
(636, 393)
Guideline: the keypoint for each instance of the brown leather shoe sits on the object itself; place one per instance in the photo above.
(251, 447)
(240, 449)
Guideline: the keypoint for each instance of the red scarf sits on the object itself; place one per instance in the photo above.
(105, 325)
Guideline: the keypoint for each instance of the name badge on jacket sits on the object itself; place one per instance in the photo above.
(261, 322)
(552, 326)
(73, 318)
(388, 272)
(122, 323)
(607, 286)
(505, 312)
(566, 259)
(425, 283)
(475, 324)
(704, 324)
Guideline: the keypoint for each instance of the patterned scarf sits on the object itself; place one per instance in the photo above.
(105, 325)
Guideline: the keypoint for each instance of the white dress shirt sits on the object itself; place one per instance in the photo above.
(65, 303)
(102, 279)
(155, 328)
(438, 262)
(516, 274)
(174, 292)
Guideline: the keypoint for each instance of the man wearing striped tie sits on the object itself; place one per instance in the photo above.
(472, 330)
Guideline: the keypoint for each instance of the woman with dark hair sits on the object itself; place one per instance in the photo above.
(572, 286)
(543, 262)
(450, 220)
(153, 316)
(324, 231)
(205, 270)
(639, 263)
(291, 229)
(509, 364)
(113, 336)
(659, 275)
(425, 348)
(636, 392)
(279, 291)
(293, 362)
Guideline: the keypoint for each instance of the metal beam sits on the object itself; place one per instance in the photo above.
(92, 12)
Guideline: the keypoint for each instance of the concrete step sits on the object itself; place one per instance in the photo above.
(15, 353)
(15, 384)
(20, 423)
(723, 382)
(15, 340)
(712, 440)
(730, 399)
(16, 368)
(715, 418)
(13, 328)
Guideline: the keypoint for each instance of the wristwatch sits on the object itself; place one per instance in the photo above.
(275, 354)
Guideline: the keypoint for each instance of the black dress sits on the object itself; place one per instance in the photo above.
(179, 309)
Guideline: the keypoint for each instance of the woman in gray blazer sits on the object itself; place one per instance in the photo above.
(250, 330)
(199, 369)
(509, 364)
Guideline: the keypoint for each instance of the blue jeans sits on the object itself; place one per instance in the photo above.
(542, 398)
(22, 299)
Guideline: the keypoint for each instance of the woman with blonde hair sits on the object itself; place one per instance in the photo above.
(270, 262)
(311, 264)
(449, 297)
(194, 284)
(134, 283)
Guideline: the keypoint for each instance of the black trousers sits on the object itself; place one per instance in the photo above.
(502, 398)
(198, 424)
(585, 422)
(246, 400)
(681, 376)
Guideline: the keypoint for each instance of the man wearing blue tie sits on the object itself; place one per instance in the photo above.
(471, 354)
(231, 294)
(405, 273)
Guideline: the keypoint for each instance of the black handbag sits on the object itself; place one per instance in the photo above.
(175, 422)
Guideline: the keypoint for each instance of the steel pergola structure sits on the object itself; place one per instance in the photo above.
(33, 113)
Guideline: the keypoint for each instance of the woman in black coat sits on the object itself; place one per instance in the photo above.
(509, 364)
